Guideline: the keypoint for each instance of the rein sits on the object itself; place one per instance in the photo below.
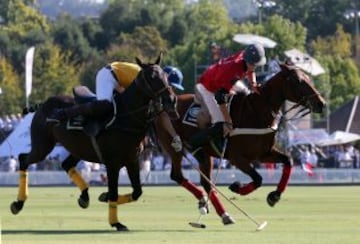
(153, 107)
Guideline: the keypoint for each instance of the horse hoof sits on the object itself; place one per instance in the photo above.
(83, 200)
(234, 187)
(16, 207)
(228, 220)
(103, 197)
(120, 227)
(83, 203)
(273, 197)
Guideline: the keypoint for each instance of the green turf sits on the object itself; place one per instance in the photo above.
(304, 215)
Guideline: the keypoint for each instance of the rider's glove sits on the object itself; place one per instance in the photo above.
(177, 144)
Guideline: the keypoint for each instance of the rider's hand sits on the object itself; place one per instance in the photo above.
(255, 88)
(177, 144)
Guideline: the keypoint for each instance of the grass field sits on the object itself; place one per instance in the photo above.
(304, 215)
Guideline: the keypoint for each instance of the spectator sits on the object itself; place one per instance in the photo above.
(274, 64)
(11, 164)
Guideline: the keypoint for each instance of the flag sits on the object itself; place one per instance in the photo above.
(28, 70)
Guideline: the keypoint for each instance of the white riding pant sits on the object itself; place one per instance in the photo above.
(105, 84)
(207, 99)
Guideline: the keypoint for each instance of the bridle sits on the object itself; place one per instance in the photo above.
(304, 102)
(147, 89)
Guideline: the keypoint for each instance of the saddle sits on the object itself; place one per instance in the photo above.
(197, 117)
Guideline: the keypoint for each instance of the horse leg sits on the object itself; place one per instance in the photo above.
(276, 156)
(134, 176)
(26, 159)
(206, 165)
(246, 167)
(69, 166)
(113, 178)
(177, 176)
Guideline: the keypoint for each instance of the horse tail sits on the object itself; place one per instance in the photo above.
(31, 109)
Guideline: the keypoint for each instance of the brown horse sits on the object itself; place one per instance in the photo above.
(117, 146)
(252, 138)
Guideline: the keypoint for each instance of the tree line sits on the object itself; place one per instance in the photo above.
(69, 50)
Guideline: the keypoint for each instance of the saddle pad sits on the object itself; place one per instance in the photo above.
(190, 117)
(75, 123)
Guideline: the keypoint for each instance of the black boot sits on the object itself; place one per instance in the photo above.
(214, 135)
(95, 109)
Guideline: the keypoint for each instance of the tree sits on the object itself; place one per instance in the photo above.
(68, 34)
(24, 27)
(11, 99)
(147, 40)
(53, 73)
(309, 12)
(342, 82)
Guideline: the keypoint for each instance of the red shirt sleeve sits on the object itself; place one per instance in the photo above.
(224, 73)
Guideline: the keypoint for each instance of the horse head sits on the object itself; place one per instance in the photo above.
(153, 82)
(299, 88)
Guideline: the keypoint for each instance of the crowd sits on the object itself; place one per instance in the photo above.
(336, 156)
(7, 125)
(153, 158)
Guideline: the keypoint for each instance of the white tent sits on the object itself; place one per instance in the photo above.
(339, 137)
(248, 39)
(305, 62)
(19, 141)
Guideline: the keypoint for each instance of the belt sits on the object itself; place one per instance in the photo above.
(112, 72)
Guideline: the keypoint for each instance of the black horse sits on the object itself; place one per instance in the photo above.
(116, 146)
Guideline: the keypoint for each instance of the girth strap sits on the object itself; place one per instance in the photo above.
(97, 149)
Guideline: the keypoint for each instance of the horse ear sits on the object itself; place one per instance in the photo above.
(139, 62)
(158, 60)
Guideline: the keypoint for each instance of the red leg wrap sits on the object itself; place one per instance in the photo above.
(219, 207)
(246, 189)
(193, 189)
(284, 178)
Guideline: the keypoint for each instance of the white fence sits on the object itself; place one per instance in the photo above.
(321, 176)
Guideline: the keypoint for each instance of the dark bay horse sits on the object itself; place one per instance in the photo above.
(252, 138)
(117, 146)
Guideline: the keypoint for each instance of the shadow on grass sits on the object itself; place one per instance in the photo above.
(87, 232)
(54, 232)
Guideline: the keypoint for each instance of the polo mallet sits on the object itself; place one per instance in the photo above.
(260, 226)
(197, 224)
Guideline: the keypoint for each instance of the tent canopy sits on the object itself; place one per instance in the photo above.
(305, 62)
(339, 137)
(248, 39)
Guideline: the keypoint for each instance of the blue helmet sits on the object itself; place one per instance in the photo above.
(175, 77)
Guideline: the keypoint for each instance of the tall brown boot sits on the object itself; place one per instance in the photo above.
(97, 109)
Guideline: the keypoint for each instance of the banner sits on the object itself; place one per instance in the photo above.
(28, 70)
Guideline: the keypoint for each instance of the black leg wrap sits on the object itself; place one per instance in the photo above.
(203, 137)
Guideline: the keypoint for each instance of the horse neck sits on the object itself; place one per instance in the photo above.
(273, 92)
(258, 110)
(133, 109)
